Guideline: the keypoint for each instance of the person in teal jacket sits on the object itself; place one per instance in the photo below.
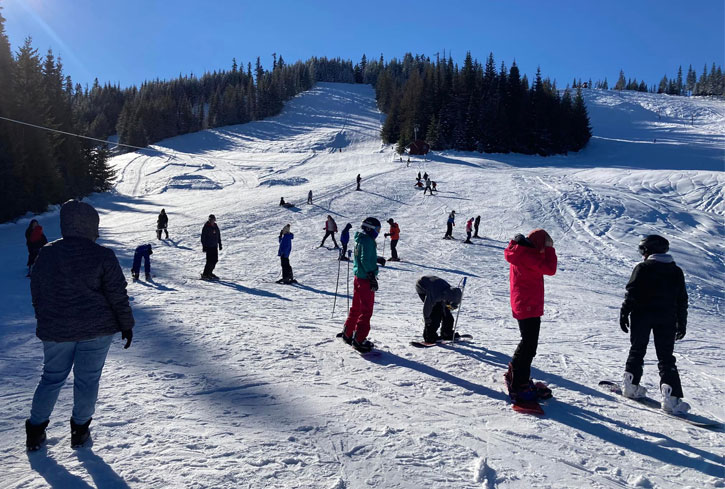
(365, 268)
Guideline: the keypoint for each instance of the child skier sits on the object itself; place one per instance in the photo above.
(143, 251)
(344, 240)
(285, 248)
(469, 230)
(365, 268)
(162, 223)
(531, 258)
(439, 298)
(394, 237)
(656, 301)
(449, 225)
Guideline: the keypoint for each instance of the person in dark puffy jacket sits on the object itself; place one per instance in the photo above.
(80, 300)
(530, 258)
(34, 240)
(211, 242)
(344, 240)
(285, 248)
(439, 298)
(162, 224)
(142, 252)
(655, 301)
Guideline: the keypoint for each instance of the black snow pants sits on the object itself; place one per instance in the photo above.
(439, 314)
(449, 230)
(394, 249)
(329, 233)
(526, 351)
(286, 269)
(664, 335)
(212, 257)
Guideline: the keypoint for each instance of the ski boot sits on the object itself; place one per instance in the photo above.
(363, 346)
(79, 433)
(672, 404)
(34, 435)
(633, 391)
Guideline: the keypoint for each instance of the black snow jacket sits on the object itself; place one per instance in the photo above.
(210, 236)
(163, 221)
(656, 290)
(433, 290)
(77, 286)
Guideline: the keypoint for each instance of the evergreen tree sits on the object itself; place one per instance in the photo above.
(621, 82)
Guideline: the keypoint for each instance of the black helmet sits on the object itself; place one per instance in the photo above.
(390, 221)
(371, 226)
(653, 243)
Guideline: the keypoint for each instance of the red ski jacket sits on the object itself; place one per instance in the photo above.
(526, 276)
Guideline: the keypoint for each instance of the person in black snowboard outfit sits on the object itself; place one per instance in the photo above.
(439, 298)
(162, 224)
(656, 301)
(211, 240)
(476, 223)
(359, 179)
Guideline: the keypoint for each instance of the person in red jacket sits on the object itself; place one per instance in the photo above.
(531, 258)
(394, 237)
(34, 240)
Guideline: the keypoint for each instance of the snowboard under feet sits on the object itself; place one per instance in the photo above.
(364, 353)
(654, 405)
(464, 338)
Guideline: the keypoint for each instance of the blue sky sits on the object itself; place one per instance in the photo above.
(134, 40)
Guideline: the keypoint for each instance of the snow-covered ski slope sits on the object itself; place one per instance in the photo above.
(241, 383)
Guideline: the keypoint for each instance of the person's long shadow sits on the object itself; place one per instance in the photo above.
(385, 197)
(152, 284)
(103, 474)
(590, 422)
(328, 210)
(316, 291)
(54, 474)
(449, 270)
(389, 358)
(249, 290)
(175, 244)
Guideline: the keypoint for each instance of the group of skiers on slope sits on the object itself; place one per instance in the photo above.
(79, 313)
(471, 227)
(425, 183)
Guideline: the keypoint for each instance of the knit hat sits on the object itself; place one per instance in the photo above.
(538, 238)
(78, 220)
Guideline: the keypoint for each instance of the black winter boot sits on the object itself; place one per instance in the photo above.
(79, 433)
(34, 435)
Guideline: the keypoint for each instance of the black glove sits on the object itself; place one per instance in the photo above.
(381, 261)
(127, 334)
(386, 234)
(373, 281)
(681, 330)
(220, 246)
(624, 320)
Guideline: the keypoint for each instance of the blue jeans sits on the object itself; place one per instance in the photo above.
(87, 359)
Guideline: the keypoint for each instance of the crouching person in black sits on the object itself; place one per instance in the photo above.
(439, 298)
(656, 301)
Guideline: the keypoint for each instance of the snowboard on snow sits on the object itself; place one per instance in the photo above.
(464, 338)
(365, 354)
(530, 406)
(652, 404)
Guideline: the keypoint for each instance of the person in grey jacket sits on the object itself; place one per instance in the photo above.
(80, 300)
(439, 298)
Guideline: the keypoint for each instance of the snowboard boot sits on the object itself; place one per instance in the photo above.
(206, 276)
(34, 435)
(345, 338)
(134, 276)
(148, 276)
(672, 404)
(79, 433)
(213, 277)
(633, 391)
(449, 337)
(363, 346)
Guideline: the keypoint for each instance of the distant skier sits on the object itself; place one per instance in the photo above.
(358, 179)
(365, 268)
(439, 298)
(476, 223)
(285, 248)
(34, 239)
(162, 223)
(80, 300)
(425, 176)
(394, 237)
(530, 258)
(344, 240)
(434, 188)
(449, 225)
(655, 301)
(418, 178)
(427, 186)
(330, 230)
(145, 252)
(469, 230)
(309, 197)
(211, 242)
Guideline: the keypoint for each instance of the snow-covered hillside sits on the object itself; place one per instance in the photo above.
(241, 383)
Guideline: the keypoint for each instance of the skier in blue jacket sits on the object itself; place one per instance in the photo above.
(285, 248)
(344, 240)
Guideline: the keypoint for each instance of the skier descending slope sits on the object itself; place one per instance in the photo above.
(439, 298)
(656, 300)
(365, 269)
(531, 258)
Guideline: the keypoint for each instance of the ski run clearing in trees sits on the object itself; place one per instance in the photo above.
(241, 382)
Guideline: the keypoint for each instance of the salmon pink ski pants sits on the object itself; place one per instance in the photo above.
(358, 320)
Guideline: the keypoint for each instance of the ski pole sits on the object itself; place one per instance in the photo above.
(455, 325)
(349, 255)
(385, 240)
(337, 283)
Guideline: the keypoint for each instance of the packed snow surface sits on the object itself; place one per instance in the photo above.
(242, 383)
